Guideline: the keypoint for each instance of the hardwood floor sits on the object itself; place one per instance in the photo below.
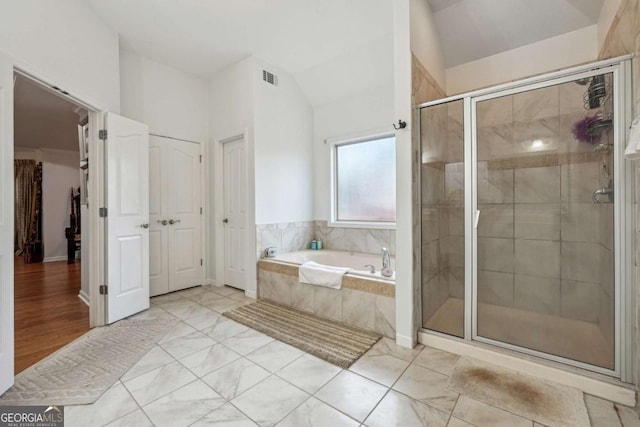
(48, 312)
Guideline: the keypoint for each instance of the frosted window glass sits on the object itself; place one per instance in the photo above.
(366, 181)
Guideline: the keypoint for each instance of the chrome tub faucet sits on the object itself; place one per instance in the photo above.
(386, 264)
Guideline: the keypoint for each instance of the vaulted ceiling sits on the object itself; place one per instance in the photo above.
(473, 29)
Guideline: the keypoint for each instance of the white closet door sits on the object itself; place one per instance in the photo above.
(185, 230)
(158, 231)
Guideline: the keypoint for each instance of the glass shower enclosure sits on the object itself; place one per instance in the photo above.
(526, 220)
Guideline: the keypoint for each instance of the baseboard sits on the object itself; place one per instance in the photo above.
(605, 390)
(211, 282)
(405, 341)
(251, 294)
(84, 297)
(55, 258)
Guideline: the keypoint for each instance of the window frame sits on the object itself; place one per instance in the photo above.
(334, 144)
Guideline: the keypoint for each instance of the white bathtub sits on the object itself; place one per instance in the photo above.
(354, 260)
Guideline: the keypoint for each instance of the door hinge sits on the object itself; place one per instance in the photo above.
(102, 212)
(200, 211)
(102, 134)
(200, 261)
(104, 290)
(200, 158)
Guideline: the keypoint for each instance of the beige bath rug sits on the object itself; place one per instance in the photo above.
(334, 342)
(553, 405)
(83, 370)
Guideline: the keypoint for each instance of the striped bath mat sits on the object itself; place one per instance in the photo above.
(334, 342)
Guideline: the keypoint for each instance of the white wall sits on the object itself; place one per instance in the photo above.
(65, 43)
(171, 102)
(353, 116)
(552, 54)
(283, 136)
(425, 43)
(60, 172)
(231, 112)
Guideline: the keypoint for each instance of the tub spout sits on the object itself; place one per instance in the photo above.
(386, 264)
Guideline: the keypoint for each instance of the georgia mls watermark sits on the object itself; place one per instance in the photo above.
(31, 416)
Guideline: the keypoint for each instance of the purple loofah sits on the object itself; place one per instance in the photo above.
(582, 130)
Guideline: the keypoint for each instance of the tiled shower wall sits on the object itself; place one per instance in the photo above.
(436, 262)
(624, 38)
(295, 236)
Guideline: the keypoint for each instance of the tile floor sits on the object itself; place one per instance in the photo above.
(212, 371)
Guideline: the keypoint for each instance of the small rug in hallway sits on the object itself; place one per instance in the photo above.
(83, 370)
(553, 405)
(334, 342)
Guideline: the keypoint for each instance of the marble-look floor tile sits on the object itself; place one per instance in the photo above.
(225, 416)
(222, 304)
(482, 415)
(601, 412)
(184, 406)
(159, 382)
(226, 290)
(154, 313)
(155, 358)
(274, 356)
(180, 308)
(398, 410)
(162, 299)
(457, 422)
(314, 413)
(437, 360)
(207, 298)
(178, 331)
(427, 386)
(388, 346)
(352, 394)
(270, 401)
(193, 293)
(309, 373)
(113, 404)
(203, 320)
(236, 377)
(628, 416)
(224, 328)
(381, 368)
(209, 359)
(137, 418)
(189, 344)
(248, 341)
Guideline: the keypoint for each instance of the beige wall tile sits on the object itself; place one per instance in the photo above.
(495, 288)
(580, 222)
(581, 261)
(495, 220)
(539, 258)
(537, 221)
(535, 136)
(303, 297)
(494, 186)
(430, 260)
(358, 308)
(495, 254)
(579, 300)
(493, 112)
(579, 181)
(455, 278)
(536, 104)
(328, 303)
(537, 185)
(384, 316)
(495, 142)
(571, 98)
(539, 294)
(430, 224)
(606, 317)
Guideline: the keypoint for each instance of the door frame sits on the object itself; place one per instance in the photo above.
(217, 213)
(95, 187)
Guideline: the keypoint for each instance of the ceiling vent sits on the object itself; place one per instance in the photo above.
(269, 77)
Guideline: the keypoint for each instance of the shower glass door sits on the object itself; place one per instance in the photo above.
(527, 218)
(545, 247)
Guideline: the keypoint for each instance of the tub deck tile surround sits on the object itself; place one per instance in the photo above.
(364, 303)
(371, 286)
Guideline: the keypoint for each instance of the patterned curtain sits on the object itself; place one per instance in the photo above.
(25, 206)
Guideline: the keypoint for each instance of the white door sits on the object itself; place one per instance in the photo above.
(184, 214)
(127, 203)
(158, 231)
(6, 224)
(235, 213)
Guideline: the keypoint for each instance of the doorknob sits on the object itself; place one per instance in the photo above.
(163, 222)
(226, 220)
(144, 225)
(174, 221)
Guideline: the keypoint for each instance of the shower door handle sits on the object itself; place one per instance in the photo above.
(476, 220)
